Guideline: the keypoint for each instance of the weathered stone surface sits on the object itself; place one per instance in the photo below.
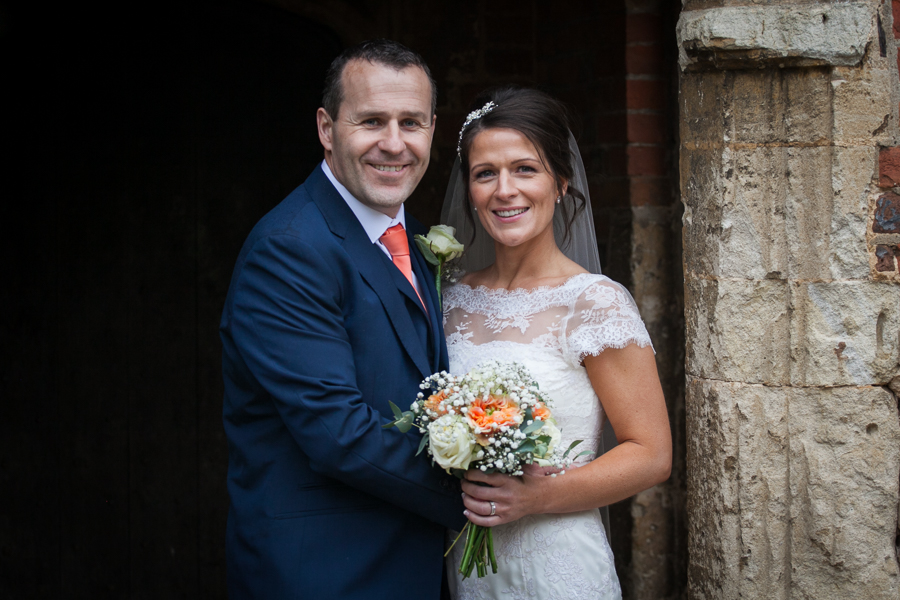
(851, 181)
(737, 452)
(705, 105)
(784, 106)
(844, 468)
(651, 227)
(808, 211)
(650, 532)
(808, 113)
(758, 105)
(804, 333)
(793, 445)
(753, 241)
(713, 527)
(844, 333)
(703, 187)
(793, 491)
(895, 385)
(738, 330)
(864, 110)
(778, 212)
(742, 37)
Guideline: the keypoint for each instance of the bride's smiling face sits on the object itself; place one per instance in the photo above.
(511, 188)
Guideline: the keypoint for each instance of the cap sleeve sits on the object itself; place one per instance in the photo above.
(604, 315)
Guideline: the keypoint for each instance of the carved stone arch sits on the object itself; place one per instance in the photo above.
(346, 21)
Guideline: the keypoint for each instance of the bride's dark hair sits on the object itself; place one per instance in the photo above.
(546, 123)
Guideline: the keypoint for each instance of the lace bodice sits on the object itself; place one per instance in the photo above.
(550, 330)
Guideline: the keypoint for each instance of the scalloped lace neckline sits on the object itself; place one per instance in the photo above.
(505, 292)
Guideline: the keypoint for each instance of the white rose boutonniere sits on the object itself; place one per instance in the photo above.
(439, 247)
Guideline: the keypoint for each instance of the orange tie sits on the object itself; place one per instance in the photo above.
(394, 239)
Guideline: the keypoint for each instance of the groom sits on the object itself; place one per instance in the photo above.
(332, 313)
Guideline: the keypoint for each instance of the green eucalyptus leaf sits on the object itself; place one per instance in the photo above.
(423, 443)
(585, 453)
(526, 446)
(406, 423)
(571, 446)
(396, 410)
(541, 450)
(535, 426)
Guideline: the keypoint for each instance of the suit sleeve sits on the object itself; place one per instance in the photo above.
(288, 326)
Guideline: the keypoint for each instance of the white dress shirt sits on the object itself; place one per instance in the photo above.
(375, 223)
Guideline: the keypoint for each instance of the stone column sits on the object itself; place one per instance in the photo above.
(793, 334)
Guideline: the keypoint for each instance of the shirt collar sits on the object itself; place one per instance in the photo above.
(375, 223)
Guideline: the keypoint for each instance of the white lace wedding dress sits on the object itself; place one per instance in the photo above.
(550, 330)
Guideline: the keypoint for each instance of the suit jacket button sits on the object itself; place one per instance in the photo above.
(445, 484)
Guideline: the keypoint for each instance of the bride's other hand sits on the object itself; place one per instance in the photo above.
(513, 497)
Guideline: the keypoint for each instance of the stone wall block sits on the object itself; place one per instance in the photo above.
(759, 105)
(809, 209)
(827, 193)
(752, 242)
(748, 37)
(649, 261)
(794, 491)
(863, 101)
(844, 471)
(738, 330)
(712, 455)
(844, 333)
(703, 189)
(765, 502)
(851, 180)
(738, 452)
(782, 106)
(808, 111)
(705, 108)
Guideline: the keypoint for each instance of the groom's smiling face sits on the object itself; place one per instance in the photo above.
(379, 143)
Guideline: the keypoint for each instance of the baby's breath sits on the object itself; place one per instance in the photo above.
(497, 384)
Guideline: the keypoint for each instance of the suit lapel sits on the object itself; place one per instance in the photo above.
(372, 265)
(425, 275)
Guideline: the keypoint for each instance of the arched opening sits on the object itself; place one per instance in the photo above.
(158, 139)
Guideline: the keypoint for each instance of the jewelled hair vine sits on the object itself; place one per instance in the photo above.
(473, 116)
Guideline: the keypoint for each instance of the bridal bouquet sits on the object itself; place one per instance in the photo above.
(493, 418)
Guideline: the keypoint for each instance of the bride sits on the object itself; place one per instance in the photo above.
(519, 186)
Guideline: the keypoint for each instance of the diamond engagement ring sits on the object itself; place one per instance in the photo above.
(493, 509)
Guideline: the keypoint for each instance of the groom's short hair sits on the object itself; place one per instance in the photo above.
(384, 52)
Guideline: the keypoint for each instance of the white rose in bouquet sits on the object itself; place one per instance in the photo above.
(555, 434)
(451, 442)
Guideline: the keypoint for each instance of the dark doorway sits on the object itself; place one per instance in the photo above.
(158, 138)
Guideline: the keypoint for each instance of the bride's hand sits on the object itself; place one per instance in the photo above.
(512, 497)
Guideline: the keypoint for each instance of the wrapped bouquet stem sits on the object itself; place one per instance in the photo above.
(495, 419)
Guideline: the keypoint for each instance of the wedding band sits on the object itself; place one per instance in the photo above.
(493, 509)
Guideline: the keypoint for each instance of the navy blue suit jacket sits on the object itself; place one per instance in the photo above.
(320, 330)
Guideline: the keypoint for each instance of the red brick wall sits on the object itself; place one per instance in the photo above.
(647, 83)
(885, 219)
